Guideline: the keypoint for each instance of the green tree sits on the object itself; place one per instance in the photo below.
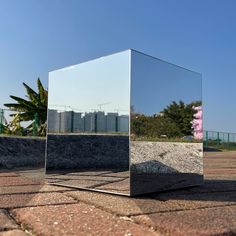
(181, 114)
(173, 122)
(36, 103)
(154, 126)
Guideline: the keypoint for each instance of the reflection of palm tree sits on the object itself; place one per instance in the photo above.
(35, 105)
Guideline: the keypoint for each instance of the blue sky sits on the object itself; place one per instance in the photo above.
(155, 84)
(40, 36)
(83, 87)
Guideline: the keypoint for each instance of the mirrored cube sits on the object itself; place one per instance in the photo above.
(126, 123)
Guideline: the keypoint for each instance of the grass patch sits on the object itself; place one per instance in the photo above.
(157, 139)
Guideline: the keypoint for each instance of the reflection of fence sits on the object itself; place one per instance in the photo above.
(220, 140)
(13, 125)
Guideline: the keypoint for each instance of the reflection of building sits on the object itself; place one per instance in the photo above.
(89, 122)
(66, 122)
(53, 121)
(123, 123)
(70, 121)
(112, 122)
(101, 122)
(78, 122)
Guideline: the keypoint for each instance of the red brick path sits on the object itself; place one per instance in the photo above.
(29, 208)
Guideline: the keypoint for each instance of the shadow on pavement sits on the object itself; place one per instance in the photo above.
(212, 190)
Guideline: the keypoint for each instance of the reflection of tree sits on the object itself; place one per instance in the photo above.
(173, 121)
(154, 126)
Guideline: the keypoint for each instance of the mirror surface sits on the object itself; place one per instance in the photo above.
(88, 125)
(22, 167)
(89, 144)
(166, 126)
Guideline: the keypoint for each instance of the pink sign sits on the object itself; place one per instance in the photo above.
(197, 123)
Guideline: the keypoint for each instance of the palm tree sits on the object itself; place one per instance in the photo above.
(34, 106)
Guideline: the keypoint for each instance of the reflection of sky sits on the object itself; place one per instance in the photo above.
(84, 86)
(155, 84)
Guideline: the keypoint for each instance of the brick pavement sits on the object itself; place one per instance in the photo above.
(31, 208)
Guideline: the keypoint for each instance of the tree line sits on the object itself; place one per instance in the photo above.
(174, 121)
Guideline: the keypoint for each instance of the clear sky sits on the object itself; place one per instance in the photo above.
(40, 36)
(82, 87)
(155, 84)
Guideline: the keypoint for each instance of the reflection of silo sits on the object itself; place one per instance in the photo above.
(100, 121)
(123, 123)
(112, 122)
(53, 121)
(89, 122)
(66, 124)
(78, 122)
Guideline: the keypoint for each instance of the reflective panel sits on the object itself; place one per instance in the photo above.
(126, 123)
(22, 159)
(166, 126)
(88, 125)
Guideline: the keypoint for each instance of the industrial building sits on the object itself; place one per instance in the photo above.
(88, 122)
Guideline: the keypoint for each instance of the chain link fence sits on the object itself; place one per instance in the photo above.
(10, 124)
(219, 140)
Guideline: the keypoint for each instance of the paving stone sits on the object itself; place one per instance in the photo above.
(204, 199)
(222, 177)
(210, 221)
(82, 183)
(9, 181)
(122, 174)
(77, 219)
(118, 204)
(156, 203)
(22, 200)
(53, 181)
(85, 177)
(117, 186)
(205, 210)
(7, 174)
(35, 175)
(6, 222)
(31, 189)
(88, 173)
(226, 154)
(220, 166)
(16, 232)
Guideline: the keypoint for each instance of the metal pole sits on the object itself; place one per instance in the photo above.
(218, 139)
(206, 138)
(1, 120)
(228, 141)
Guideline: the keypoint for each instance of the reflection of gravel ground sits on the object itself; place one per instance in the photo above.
(166, 157)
